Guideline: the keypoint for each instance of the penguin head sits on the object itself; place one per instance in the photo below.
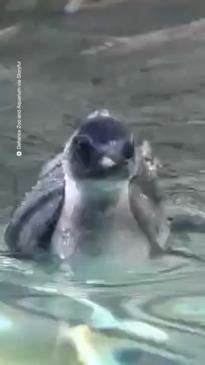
(102, 147)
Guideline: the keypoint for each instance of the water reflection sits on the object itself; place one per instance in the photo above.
(151, 320)
(80, 322)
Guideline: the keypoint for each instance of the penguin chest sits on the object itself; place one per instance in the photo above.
(96, 225)
(66, 234)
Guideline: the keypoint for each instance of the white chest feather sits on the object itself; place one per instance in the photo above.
(116, 231)
(66, 233)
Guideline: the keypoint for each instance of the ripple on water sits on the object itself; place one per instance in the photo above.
(137, 319)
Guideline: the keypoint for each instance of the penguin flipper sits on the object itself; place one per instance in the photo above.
(150, 218)
(33, 222)
(53, 167)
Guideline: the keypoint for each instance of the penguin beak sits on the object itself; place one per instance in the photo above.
(107, 162)
(112, 155)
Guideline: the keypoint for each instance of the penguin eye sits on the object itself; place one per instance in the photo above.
(84, 149)
(128, 150)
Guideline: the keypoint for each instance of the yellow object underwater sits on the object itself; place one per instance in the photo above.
(93, 348)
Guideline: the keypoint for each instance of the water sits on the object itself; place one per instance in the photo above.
(111, 312)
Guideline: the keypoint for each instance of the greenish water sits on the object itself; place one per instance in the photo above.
(113, 311)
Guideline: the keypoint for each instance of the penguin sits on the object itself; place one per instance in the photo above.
(99, 167)
(101, 192)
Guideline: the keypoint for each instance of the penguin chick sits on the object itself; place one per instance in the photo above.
(101, 184)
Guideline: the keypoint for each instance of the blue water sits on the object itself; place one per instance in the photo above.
(105, 312)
